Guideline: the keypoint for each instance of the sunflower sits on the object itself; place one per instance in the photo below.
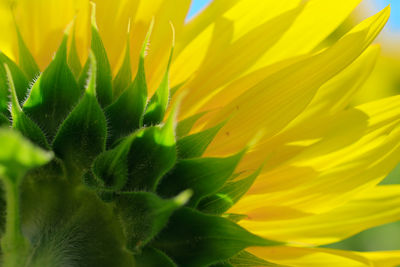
(132, 137)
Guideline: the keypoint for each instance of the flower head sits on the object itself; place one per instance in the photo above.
(226, 140)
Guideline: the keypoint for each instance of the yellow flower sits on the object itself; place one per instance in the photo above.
(255, 66)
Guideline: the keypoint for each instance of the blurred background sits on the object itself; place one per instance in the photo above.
(383, 82)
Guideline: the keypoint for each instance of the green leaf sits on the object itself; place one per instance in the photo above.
(144, 215)
(104, 75)
(152, 154)
(152, 257)
(26, 61)
(73, 58)
(126, 113)
(194, 145)
(184, 126)
(195, 239)
(54, 94)
(18, 155)
(20, 120)
(228, 195)
(82, 135)
(20, 81)
(124, 75)
(158, 103)
(205, 176)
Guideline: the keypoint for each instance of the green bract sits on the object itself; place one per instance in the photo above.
(92, 176)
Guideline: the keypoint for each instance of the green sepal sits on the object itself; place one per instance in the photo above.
(144, 215)
(54, 94)
(4, 120)
(82, 136)
(184, 126)
(152, 257)
(192, 238)
(152, 154)
(110, 168)
(126, 113)
(26, 61)
(20, 120)
(20, 81)
(235, 217)
(194, 145)
(246, 259)
(73, 58)
(104, 74)
(124, 168)
(124, 75)
(18, 155)
(228, 195)
(158, 103)
(205, 176)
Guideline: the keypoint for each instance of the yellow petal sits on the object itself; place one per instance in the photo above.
(374, 207)
(219, 25)
(42, 33)
(336, 94)
(354, 150)
(310, 257)
(274, 102)
(331, 98)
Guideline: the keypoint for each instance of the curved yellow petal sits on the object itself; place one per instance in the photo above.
(310, 257)
(41, 22)
(374, 207)
(280, 97)
(353, 151)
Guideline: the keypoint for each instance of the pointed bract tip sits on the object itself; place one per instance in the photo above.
(173, 33)
(14, 98)
(70, 25)
(183, 197)
(93, 15)
(91, 85)
(147, 39)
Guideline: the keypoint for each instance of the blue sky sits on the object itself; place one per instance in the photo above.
(196, 6)
(394, 22)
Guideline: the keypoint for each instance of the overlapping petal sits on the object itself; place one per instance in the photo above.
(374, 207)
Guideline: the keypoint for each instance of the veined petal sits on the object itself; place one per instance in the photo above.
(42, 33)
(330, 99)
(336, 94)
(248, 15)
(374, 207)
(280, 97)
(347, 158)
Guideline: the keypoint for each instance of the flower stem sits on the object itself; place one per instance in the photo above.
(14, 245)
